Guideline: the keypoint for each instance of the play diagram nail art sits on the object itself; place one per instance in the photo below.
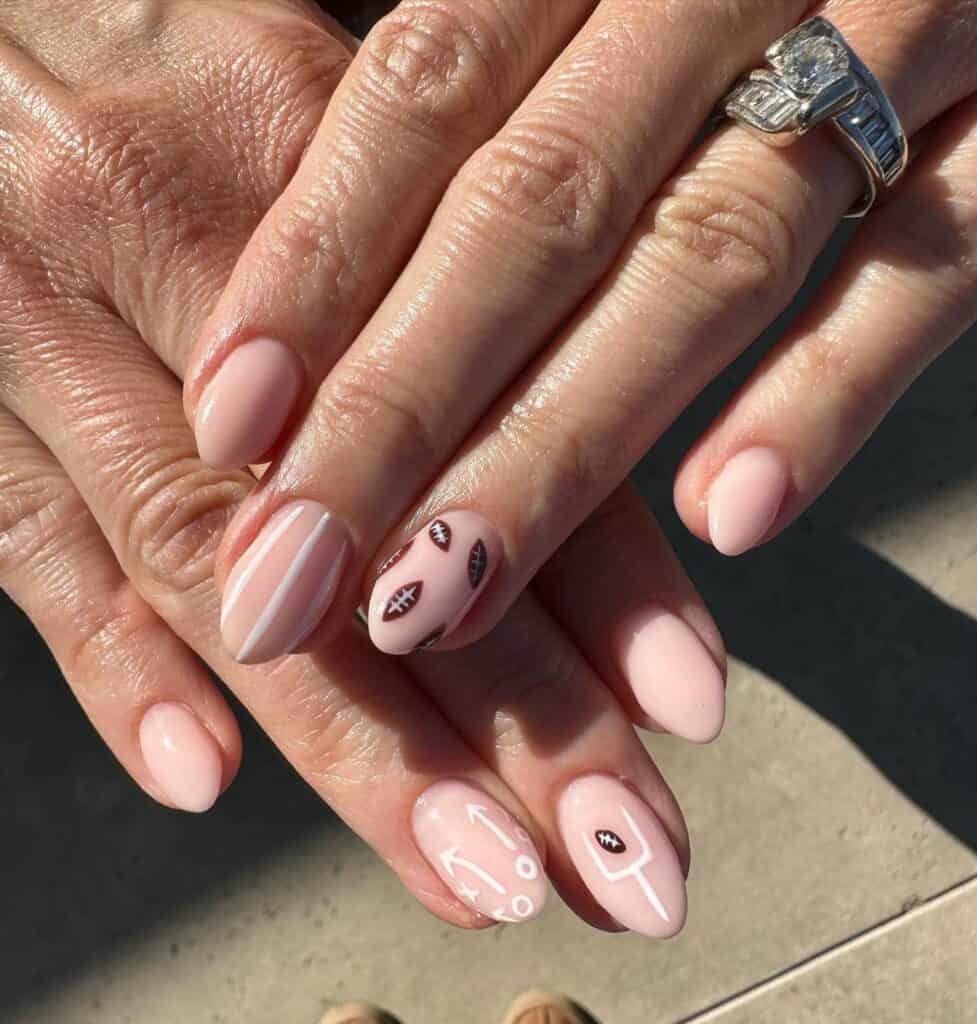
(425, 589)
(480, 851)
(623, 855)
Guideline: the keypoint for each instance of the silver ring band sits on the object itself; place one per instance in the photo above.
(814, 76)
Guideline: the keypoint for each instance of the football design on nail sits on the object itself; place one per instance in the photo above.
(394, 559)
(428, 642)
(403, 600)
(477, 563)
(440, 533)
(610, 841)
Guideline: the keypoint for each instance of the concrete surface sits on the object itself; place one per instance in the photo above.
(834, 826)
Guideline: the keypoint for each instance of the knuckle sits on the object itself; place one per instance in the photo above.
(371, 408)
(569, 469)
(36, 508)
(431, 66)
(730, 242)
(122, 634)
(334, 743)
(550, 183)
(171, 522)
(279, 83)
(308, 234)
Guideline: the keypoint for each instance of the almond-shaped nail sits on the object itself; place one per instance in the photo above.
(623, 855)
(480, 851)
(244, 408)
(426, 588)
(283, 585)
(182, 756)
(745, 498)
(673, 676)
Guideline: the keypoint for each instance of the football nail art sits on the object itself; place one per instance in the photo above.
(480, 851)
(425, 589)
(623, 855)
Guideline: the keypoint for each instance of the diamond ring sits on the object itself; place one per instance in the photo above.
(814, 76)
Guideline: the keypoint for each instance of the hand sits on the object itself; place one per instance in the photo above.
(109, 523)
(487, 291)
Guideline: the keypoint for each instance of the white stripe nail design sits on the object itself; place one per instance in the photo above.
(276, 535)
(316, 608)
(274, 606)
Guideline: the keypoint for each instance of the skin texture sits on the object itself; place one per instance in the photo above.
(121, 225)
(563, 275)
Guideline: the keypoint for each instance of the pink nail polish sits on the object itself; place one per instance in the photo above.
(182, 756)
(745, 498)
(480, 851)
(672, 674)
(425, 589)
(623, 855)
(244, 408)
(283, 585)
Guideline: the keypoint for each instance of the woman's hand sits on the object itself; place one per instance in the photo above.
(137, 155)
(487, 291)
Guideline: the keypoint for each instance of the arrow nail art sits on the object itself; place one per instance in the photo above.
(480, 851)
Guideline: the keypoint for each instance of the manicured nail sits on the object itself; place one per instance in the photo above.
(480, 851)
(282, 586)
(623, 855)
(674, 678)
(182, 756)
(745, 498)
(424, 590)
(244, 408)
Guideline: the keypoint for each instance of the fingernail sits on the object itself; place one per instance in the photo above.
(480, 851)
(674, 678)
(282, 586)
(623, 855)
(244, 408)
(424, 590)
(182, 756)
(745, 498)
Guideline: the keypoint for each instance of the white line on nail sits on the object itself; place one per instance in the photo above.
(274, 606)
(260, 555)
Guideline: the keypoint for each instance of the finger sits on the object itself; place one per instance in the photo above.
(539, 213)
(618, 589)
(352, 724)
(431, 82)
(562, 742)
(712, 260)
(147, 695)
(904, 292)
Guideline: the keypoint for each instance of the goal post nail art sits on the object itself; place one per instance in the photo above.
(425, 589)
(480, 851)
(623, 855)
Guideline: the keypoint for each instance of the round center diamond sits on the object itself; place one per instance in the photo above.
(813, 63)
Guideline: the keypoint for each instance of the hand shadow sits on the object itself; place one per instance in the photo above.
(848, 633)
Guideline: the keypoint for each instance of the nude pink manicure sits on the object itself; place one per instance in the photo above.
(675, 679)
(480, 851)
(244, 408)
(427, 587)
(182, 756)
(745, 498)
(623, 855)
(283, 585)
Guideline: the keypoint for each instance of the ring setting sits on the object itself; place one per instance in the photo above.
(814, 77)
